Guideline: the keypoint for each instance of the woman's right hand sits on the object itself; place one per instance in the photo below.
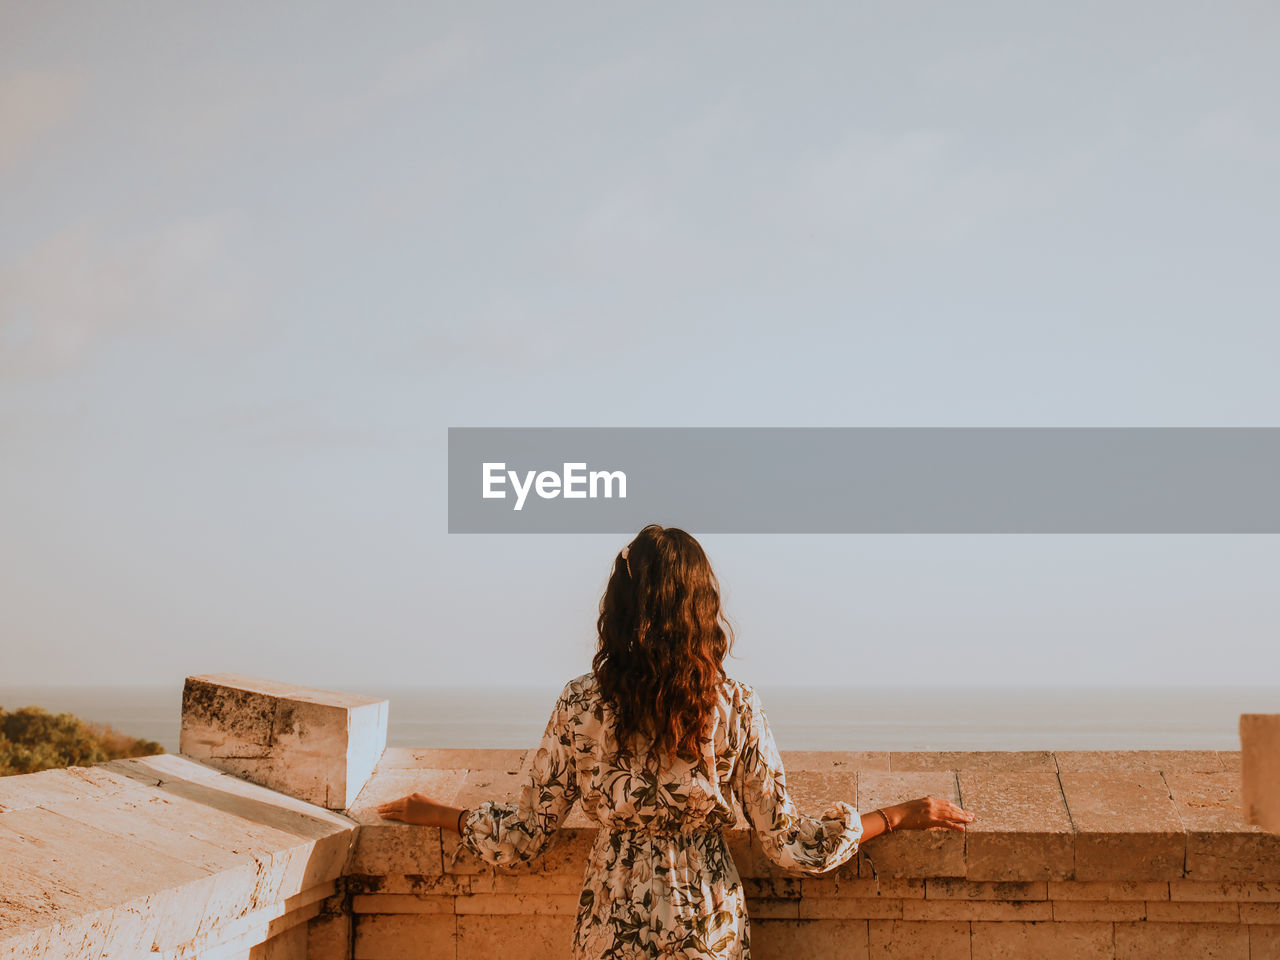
(928, 813)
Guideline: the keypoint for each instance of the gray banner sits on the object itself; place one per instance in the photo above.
(865, 480)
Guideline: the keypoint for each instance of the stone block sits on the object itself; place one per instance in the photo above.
(1259, 912)
(960, 760)
(773, 908)
(862, 887)
(1264, 891)
(910, 853)
(1126, 826)
(795, 939)
(391, 849)
(329, 937)
(519, 904)
(1108, 890)
(395, 903)
(956, 889)
(911, 940)
(1188, 911)
(315, 745)
(1138, 761)
(1160, 941)
(934, 910)
(465, 758)
(1264, 942)
(829, 761)
(1075, 911)
(848, 908)
(1022, 830)
(1260, 769)
(1220, 845)
(482, 937)
(813, 791)
(423, 936)
(1017, 940)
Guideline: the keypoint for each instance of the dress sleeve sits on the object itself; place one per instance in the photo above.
(795, 842)
(503, 834)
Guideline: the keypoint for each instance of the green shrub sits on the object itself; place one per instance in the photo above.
(34, 739)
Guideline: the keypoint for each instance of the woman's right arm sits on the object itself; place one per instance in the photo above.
(816, 845)
(924, 814)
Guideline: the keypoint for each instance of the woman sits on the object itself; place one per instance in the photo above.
(655, 743)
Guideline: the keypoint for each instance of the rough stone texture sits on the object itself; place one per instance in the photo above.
(1126, 825)
(1016, 940)
(1260, 767)
(1220, 845)
(960, 760)
(828, 939)
(1022, 830)
(1132, 761)
(161, 856)
(316, 745)
(910, 853)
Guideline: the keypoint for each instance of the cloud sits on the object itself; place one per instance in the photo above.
(79, 289)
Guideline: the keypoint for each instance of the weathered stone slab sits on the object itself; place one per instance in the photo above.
(316, 745)
(1220, 845)
(828, 939)
(960, 760)
(413, 758)
(1260, 769)
(1131, 761)
(1160, 941)
(814, 791)
(911, 940)
(828, 761)
(910, 853)
(1021, 829)
(1126, 826)
(1015, 940)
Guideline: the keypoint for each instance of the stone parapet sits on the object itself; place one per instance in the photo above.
(1075, 854)
(1080, 854)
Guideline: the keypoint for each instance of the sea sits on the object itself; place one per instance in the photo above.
(801, 718)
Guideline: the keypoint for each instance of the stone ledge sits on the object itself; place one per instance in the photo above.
(158, 856)
(1074, 854)
(1113, 816)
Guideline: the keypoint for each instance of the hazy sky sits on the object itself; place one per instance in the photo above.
(256, 258)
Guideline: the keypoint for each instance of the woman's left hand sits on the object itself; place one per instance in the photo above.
(415, 808)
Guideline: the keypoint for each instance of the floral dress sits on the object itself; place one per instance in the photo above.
(659, 881)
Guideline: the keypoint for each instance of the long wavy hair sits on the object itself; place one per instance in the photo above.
(662, 642)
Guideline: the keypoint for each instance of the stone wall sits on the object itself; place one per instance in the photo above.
(1075, 855)
(1126, 854)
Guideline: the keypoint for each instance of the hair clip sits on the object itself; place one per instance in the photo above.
(626, 558)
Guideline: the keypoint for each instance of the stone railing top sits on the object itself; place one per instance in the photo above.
(1042, 815)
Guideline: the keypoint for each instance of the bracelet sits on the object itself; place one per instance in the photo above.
(461, 815)
(888, 827)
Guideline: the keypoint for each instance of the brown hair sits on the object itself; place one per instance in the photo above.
(663, 640)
